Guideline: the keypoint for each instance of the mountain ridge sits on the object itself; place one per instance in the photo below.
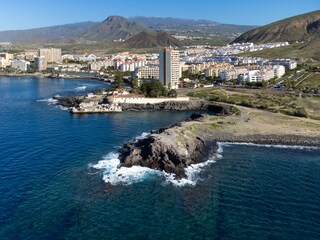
(65, 30)
(149, 39)
(114, 28)
(302, 31)
(97, 31)
(297, 28)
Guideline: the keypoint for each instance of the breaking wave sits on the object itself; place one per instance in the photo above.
(115, 175)
(82, 88)
(49, 100)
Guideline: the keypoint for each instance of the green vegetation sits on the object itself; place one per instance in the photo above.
(118, 79)
(311, 84)
(304, 52)
(288, 103)
(302, 31)
(135, 85)
(172, 93)
(153, 89)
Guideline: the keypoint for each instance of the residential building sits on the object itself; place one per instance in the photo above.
(169, 68)
(147, 72)
(6, 56)
(97, 65)
(4, 62)
(288, 63)
(258, 75)
(131, 65)
(21, 65)
(279, 70)
(51, 54)
(228, 75)
(40, 64)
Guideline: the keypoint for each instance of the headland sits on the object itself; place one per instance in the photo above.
(174, 149)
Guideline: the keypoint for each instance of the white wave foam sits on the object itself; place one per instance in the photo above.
(63, 108)
(194, 170)
(227, 144)
(49, 100)
(142, 136)
(82, 88)
(114, 175)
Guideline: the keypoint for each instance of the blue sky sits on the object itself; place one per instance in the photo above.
(17, 14)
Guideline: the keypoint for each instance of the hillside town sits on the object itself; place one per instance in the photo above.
(173, 68)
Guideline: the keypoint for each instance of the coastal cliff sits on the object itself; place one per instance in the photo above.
(170, 150)
(193, 141)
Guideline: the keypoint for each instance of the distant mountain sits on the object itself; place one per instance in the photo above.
(303, 27)
(156, 22)
(46, 33)
(114, 28)
(190, 25)
(148, 39)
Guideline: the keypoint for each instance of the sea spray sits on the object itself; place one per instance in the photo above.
(115, 175)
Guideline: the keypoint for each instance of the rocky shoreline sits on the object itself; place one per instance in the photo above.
(74, 101)
(175, 148)
(163, 151)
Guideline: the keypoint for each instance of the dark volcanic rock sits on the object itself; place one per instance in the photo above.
(68, 102)
(166, 150)
(177, 106)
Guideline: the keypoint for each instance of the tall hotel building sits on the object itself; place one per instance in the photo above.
(51, 54)
(169, 68)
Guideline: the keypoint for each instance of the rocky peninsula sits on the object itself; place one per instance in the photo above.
(74, 101)
(165, 151)
(194, 140)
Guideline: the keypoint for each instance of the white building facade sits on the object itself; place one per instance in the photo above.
(21, 65)
(169, 68)
(279, 70)
(51, 54)
(147, 72)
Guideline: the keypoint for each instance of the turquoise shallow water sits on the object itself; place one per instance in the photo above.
(49, 189)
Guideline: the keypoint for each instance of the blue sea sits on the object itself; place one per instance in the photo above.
(58, 178)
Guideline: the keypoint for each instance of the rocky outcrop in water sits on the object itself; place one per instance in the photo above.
(170, 150)
(72, 101)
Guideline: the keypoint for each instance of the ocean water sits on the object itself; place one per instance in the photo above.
(56, 170)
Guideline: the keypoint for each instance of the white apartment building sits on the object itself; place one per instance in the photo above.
(169, 68)
(97, 65)
(4, 62)
(6, 56)
(51, 54)
(279, 70)
(147, 72)
(130, 66)
(288, 63)
(259, 75)
(21, 65)
(228, 75)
